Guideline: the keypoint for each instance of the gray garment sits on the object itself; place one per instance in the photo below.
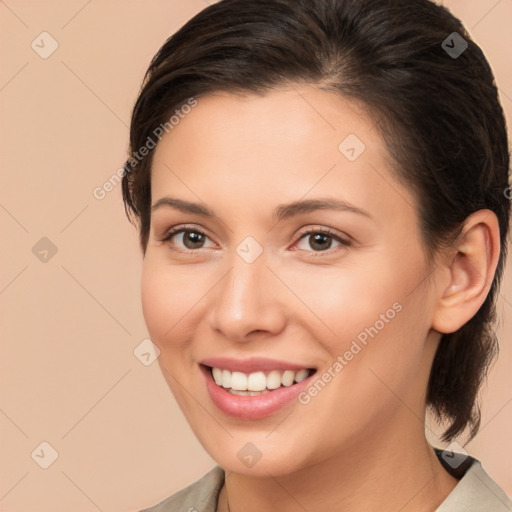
(475, 492)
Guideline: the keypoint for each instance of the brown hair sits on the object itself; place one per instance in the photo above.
(431, 92)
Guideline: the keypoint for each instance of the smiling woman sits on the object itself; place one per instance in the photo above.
(329, 217)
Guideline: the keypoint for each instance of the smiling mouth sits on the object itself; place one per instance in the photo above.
(259, 382)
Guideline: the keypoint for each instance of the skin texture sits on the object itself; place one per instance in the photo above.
(360, 443)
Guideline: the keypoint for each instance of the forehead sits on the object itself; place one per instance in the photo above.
(299, 117)
(283, 145)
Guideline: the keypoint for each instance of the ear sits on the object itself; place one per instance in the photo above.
(468, 271)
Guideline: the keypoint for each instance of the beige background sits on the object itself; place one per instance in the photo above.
(70, 325)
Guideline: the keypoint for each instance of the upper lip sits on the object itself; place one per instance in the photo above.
(252, 364)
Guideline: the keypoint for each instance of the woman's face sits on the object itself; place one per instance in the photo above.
(247, 291)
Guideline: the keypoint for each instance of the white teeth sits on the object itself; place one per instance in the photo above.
(301, 375)
(256, 383)
(226, 379)
(239, 381)
(287, 378)
(217, 376)
(274, 379)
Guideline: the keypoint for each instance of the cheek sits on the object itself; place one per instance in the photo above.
(153, 296)
(164, 303)
(382, 332)
(373, 314)
(348, 301)
(164, 309)
(173, 299)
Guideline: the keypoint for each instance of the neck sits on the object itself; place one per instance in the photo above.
(386, 477)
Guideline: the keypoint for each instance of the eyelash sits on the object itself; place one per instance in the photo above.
(326, 231)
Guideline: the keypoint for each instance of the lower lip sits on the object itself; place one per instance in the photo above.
(252, 407)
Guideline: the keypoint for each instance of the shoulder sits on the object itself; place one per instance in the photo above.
(476, 492)
(200, 496)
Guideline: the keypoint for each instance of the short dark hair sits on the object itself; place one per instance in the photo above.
(438, 113)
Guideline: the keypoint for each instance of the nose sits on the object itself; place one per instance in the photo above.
(247, 302)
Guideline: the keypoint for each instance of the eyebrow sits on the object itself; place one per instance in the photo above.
(281, 212)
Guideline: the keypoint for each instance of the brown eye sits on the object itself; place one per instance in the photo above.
(321, 240)
(189, 238)
(193, 239)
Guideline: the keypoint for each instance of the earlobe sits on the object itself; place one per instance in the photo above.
(469, 272)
